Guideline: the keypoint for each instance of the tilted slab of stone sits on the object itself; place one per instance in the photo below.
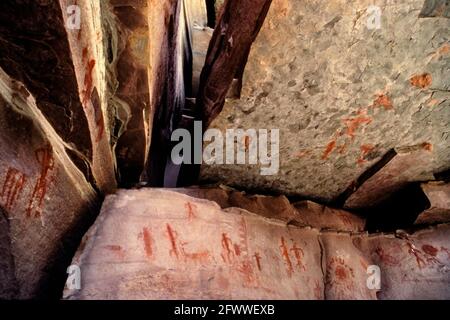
(438, 194)
(302, 213)
(404, 165)
(44, 196)
(161, 244)
(165, 245)
(35, 51)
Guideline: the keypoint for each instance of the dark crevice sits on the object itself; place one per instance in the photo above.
(399, 211)
(443, 176)
(211, 10)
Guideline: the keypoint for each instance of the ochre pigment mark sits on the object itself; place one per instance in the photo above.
(227, 254)
(339, 276)
(286, 258)
(416, 253)
(345, 219)
(246, 270)
(336, 262)
(363, 264)
(88, 81)
(383, 100)
(433, 102)
(177, 248)
(199, 257)
(365, 150)
(237, 255)
(113, 247)
(421, 81)
(118, 250)
(303, 153)
(445, 49)
(341, 273)
(317, 290)
(148, 243)
(84, 53)
(353, 124)
(237, 249)
(190, 209)
(425, 258)
(342, 148)
(258, 261)
(329, 149)
(173, 240)
(430, 250)
(442, 51)
(98, 114)
(298, 254)
(243, 239)
(385, 257)
(44, 157)
(12, 188)
(247, 142)
(347, 134)
(427, 146)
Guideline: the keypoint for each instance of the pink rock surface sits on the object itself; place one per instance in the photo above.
(160, 244)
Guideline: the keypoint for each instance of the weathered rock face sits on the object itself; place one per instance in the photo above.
(438, 194)
(342, 92)
(363, 111)
(127, 35)
(32, 45)
(160, 244)
(302, 213)
(89, 60)
(9, 287)
(392, 173)
(43, 194)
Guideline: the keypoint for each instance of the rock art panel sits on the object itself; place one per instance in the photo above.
(438, 193)
(43, 196)
(175, 256)
(163, 244)
(342, 94)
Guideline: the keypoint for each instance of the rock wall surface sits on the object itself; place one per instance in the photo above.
(160, 244)
(44, 195)
(343, 92)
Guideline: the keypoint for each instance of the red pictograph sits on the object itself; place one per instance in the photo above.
(12, 188)
(44, 156)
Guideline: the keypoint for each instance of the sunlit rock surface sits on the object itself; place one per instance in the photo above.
(160, 244)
